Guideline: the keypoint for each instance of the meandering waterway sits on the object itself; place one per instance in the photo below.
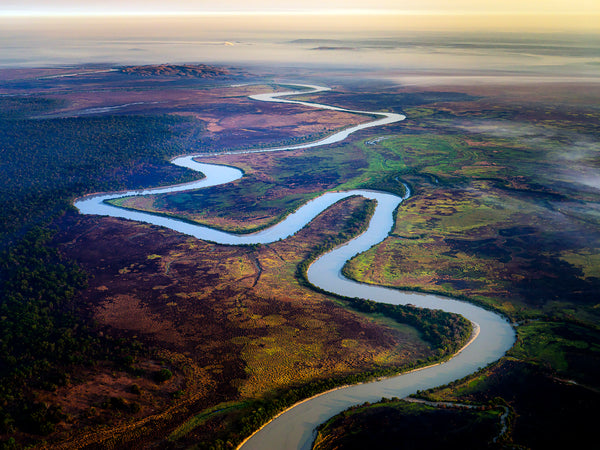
(295, 428)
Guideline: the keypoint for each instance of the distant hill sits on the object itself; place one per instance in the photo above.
(172, 70)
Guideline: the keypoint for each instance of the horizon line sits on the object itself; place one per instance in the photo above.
(328, 12)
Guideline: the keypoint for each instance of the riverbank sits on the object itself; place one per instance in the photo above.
(498, 334)
(473, 336)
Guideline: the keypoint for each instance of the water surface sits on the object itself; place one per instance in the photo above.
(295, 429)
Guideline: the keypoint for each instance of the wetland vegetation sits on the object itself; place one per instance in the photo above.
(505, 214)
(498, 219)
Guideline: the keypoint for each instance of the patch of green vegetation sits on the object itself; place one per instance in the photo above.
(163, 375)
(22, 107)
(559, 347)
(480, 217)
(46, 163)
(446, 332)
(200, 419)
(205, 206)
(382, 173)
(263, 197)
(588, 261)
(504, 221)
(41, 335)
(398, 101)
(403, 425)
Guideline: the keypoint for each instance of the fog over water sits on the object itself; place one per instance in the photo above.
(332, 42)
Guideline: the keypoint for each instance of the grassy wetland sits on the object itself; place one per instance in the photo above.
(505, 214)
(190, 344)
(146, 332)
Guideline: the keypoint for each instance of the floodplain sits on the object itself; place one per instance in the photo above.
(202, 343)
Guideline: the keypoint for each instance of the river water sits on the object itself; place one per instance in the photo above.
(295, 429)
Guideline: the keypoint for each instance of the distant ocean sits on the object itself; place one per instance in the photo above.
(276, 41)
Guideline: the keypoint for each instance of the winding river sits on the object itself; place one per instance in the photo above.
(295, 428)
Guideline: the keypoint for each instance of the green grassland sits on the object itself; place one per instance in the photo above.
(49, 339)
(272, 187)
(504, 214)
(493, 232)
(398, 424)
(483, 208)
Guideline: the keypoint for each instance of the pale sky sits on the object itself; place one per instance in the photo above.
(460, 15)
(420, 6)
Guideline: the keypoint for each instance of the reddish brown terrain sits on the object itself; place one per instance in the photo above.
(232, 323)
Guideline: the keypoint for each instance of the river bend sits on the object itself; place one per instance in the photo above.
(295, 428)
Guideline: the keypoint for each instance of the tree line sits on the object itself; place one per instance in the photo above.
(45, 164)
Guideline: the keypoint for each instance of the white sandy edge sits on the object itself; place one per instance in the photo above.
(474, 335)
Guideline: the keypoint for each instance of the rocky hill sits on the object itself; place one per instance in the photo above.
(172, 70)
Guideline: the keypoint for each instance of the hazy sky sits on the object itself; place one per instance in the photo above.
(439, 15)
(48, 32)
(149, 6)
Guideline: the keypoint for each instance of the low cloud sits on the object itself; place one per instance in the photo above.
(505, 129)
(576, 156)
